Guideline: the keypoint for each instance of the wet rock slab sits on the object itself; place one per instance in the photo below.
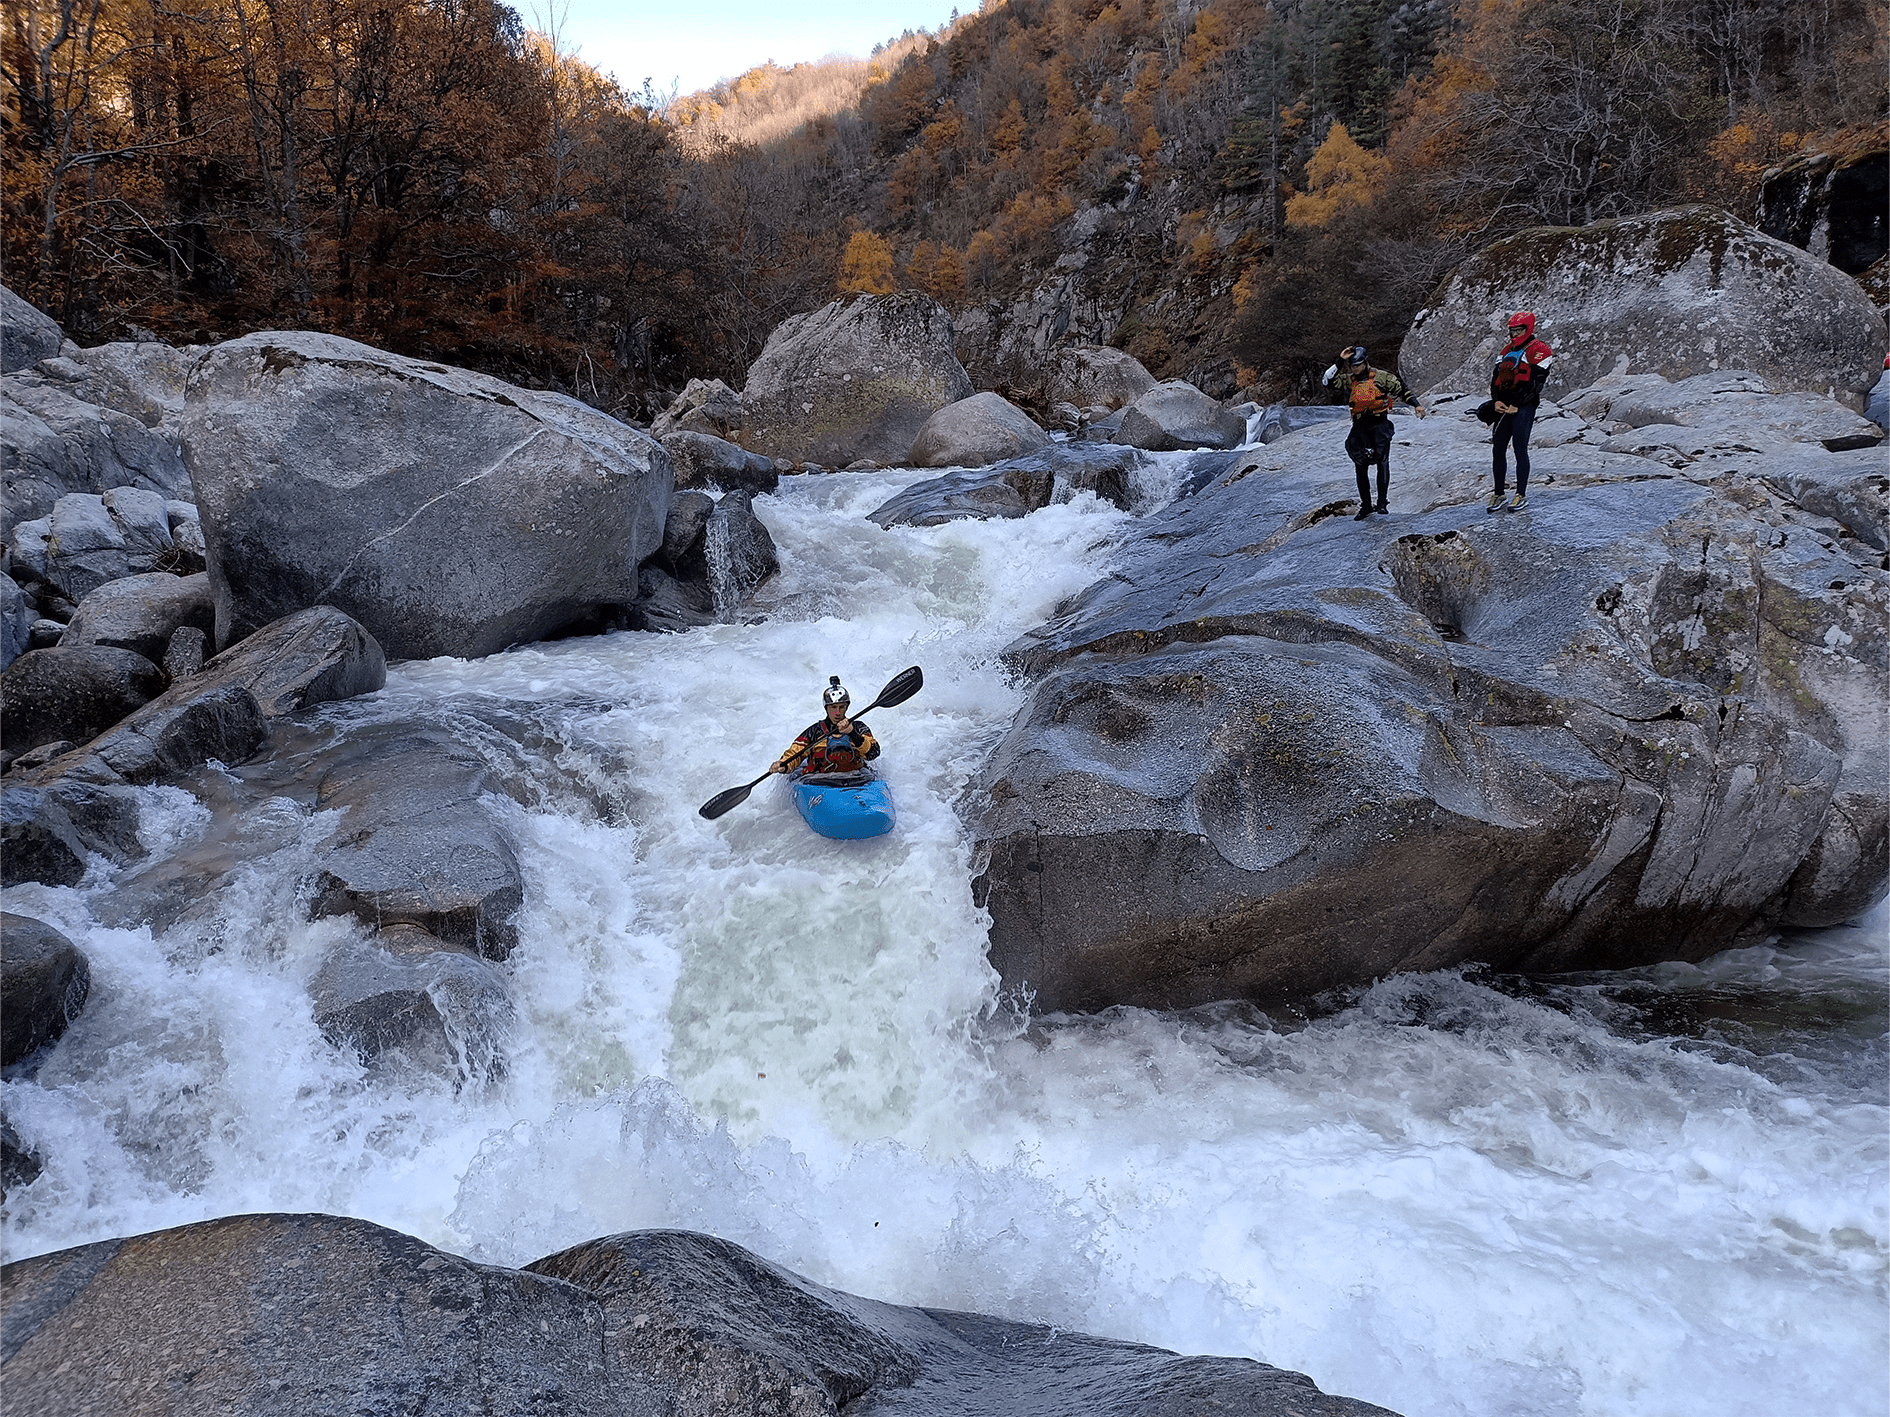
(318, 1315)
(1018, 486)
(1278, 750)
(419, 845)
(855, 379)
(413, 998)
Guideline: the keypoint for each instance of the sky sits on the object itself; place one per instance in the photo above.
(695, 42)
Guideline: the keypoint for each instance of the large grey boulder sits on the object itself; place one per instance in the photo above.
(57, 443)
(706, 406)
(72, 693)
(17, 618)
(420, 844)
(1177, 415)
(976, 432)
(44, 981)
(27, 334)
(703, 460)
(713, 558)
(192, 1320)
(141, 613)
(1095, 376)
(415, 999)
(1676, 293)
(89, 540)
(1278, 751)
(853, 380)
(1019, 486)
(446, 511)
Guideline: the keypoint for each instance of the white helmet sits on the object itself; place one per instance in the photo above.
(834, 693)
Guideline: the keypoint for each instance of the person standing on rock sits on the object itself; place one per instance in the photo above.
(1516, 388)
(834, 743)
(1370, 392)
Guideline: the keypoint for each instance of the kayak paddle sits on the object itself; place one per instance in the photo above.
(899, 688)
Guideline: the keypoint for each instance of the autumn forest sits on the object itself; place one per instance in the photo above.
(1253, 180)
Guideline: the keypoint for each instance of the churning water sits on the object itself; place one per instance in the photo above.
(1661, 1192)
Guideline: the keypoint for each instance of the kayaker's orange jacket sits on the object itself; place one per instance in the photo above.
(821, 748)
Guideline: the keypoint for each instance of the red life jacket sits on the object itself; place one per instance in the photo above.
(1516, 368)
(831, 751)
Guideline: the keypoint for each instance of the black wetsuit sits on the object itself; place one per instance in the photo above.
(1517, 381)
(1369, 442)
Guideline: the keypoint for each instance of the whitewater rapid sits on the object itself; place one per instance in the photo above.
(1661, 1192)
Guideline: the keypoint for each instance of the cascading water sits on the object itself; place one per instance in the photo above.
(1655, 1192)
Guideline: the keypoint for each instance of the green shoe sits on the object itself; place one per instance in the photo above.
(1496, 501)
(1519, 503)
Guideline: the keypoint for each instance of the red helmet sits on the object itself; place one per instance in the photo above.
(1522, 325)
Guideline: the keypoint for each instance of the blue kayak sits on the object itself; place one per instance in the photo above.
(845, 806)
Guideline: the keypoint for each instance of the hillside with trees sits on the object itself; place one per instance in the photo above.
(1228, 189)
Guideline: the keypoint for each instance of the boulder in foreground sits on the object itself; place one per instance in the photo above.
(326, 1317)
(854, 380)
(448, 512)
(1675, 293)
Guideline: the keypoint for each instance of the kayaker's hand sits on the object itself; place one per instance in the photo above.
(1417, 410)
(845, 725)
(1505, 408)
(777, 766)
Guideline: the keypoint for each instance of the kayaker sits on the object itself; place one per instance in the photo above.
(834, 743)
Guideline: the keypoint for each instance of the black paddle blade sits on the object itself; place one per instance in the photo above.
(734, 797)
(899, 688)
(723, 801)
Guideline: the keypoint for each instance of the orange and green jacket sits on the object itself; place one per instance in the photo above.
(1389, 387)
(816, 751)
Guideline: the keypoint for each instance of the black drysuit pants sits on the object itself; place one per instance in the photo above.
(1369, 442)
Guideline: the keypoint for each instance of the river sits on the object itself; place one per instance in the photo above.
(1660, 1192)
